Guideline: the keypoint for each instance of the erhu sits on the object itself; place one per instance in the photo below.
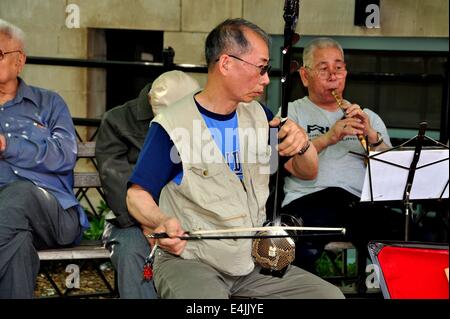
(340, 102)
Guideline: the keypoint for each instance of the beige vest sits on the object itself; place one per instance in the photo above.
(210, 195)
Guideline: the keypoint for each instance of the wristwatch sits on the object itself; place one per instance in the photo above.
(379, 140)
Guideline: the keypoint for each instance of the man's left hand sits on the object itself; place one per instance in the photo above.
(355, 111)
(293, 137)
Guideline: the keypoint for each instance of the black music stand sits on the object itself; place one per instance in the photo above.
(407, 184)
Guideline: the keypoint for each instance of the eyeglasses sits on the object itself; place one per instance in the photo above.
(2, 54)
(324, 72)
(263, 69)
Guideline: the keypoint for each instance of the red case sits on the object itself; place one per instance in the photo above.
(409, 270)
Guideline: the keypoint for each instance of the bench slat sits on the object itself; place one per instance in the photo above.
(78, 252)
(86, 179)
(86, 150)
(337, 246)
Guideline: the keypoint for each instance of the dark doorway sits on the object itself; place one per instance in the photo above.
(125, 83)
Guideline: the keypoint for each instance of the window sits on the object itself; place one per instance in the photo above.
(404, 88)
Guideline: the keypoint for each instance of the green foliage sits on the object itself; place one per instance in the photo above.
(325, 267)
(103, 208)
(97, 221)
(330, 268)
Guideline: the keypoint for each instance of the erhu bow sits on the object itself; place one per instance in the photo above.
(206, 234)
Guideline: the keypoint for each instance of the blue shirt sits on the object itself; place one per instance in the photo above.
(40, 144)
(223, 129)
(155, 168)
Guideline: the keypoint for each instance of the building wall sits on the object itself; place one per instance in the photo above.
(186, 23)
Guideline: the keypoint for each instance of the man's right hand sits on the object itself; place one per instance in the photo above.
(344, 127)
(171, 227)
(2, 143)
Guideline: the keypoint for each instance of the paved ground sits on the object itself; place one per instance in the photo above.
(90, 281)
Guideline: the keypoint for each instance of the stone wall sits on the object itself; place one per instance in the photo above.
(186, 23)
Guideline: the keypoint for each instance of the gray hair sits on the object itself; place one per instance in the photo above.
(318, 43)
(13, 32)
(230, 35)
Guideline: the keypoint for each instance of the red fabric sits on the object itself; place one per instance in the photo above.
(415, 273)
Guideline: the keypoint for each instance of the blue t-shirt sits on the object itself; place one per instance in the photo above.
(155, 168)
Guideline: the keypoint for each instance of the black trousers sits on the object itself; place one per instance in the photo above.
(335, 207)
(30, 219)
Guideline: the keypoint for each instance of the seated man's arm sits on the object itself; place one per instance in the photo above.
(142, 206)
(378, 131)
(358, 121)
(295, 140)
(114, 168)
(305, 166)
(144, 209)
(48, 146)
(152, 172)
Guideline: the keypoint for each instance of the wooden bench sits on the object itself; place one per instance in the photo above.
(83, 181)
(88, 251)
(340, 249)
